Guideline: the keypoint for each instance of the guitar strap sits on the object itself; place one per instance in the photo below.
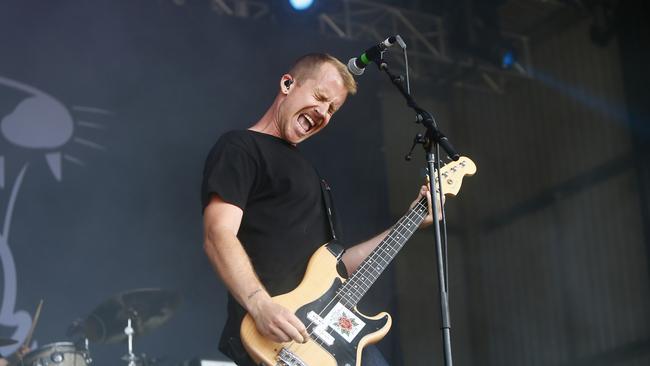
(333, 246)
(329, 207)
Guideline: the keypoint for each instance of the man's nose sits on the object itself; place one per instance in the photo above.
(320, 110)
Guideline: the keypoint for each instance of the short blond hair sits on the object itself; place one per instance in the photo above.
(305, 67)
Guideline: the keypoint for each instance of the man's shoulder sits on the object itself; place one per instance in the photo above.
(235, 136)
(239, 139)
(231, 142)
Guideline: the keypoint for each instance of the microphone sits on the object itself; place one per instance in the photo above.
(357, 65)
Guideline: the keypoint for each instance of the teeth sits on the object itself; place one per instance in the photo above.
(304, 123)
(311, 122)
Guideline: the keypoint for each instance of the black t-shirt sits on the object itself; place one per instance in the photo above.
(284, 219)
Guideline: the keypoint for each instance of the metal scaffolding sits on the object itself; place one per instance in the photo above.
(429, 52)
(241, 8)
(427, 41)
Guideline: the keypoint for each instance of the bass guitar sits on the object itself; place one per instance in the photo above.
(326, 302)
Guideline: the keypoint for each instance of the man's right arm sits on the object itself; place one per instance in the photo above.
(221, 222)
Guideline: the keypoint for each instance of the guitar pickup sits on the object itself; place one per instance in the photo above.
(320, 330)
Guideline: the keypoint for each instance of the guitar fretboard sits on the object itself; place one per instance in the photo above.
(372, 267)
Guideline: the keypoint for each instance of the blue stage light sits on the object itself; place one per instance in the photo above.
(508, 59)
(301, 4)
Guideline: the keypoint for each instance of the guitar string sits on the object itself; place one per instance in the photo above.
(378, 258)
(366, 264)
(420, 205)
(293, 346)
(373, 256)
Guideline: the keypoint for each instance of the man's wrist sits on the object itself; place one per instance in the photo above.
(252, 294)
(254, 298)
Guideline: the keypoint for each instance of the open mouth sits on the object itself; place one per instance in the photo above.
(306, 122)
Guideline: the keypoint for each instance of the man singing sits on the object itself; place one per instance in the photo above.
(264, 214)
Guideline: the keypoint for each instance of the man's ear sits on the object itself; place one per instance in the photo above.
(285, 83)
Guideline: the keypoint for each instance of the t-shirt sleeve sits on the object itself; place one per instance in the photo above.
(229, 172)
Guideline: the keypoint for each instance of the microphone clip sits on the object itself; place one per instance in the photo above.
(419, 139)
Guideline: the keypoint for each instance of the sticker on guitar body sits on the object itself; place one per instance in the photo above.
(341, 319)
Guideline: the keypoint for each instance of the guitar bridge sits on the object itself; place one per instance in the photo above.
(287, 358)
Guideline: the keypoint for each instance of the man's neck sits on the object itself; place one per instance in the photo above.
(268, 123)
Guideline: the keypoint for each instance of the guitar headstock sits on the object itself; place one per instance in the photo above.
(453, 173)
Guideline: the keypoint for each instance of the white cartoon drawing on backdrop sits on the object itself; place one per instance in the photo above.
(39, 122)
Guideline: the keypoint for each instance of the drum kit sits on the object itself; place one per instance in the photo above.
(120, 318)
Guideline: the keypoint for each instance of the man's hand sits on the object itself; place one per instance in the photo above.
(273, 321)
(22, 351)
(276, 322)
(16, 358)
(424, 192)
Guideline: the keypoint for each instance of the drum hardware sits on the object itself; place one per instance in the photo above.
(130, 357)
(147, 308)
(56, 354)
(143, 359)
(84, 348)
(142, 310)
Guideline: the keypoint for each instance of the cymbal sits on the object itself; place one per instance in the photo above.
(148, 308)
(7, 342)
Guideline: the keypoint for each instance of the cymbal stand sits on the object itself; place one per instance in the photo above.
(85, 350)
(131, 357)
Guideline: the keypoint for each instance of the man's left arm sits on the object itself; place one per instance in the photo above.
(354, 255)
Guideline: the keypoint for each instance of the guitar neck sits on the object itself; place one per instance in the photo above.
(372, 267)
(358, 284)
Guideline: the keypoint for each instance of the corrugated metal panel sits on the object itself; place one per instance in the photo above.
(557, 271)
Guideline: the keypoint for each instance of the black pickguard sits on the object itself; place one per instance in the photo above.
(345, 353)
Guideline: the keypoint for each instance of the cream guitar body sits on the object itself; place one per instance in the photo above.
(326, 302)
(316, 296)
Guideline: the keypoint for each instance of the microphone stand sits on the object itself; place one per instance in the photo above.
(430, 142)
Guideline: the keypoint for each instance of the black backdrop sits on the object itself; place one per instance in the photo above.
(150, 86)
